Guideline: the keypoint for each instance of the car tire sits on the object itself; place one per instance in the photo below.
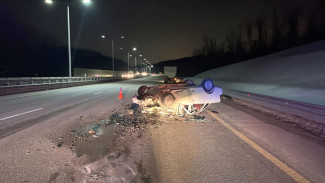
(167, 100)
(189, 82)
(207, 86)
(142, 90)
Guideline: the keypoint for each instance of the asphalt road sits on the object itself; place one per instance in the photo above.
(21, 111)
(178, 151)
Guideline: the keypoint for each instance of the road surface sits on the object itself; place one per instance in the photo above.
(177, 150)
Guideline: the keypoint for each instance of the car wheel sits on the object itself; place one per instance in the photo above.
(207, 85)
(189, 82)
(142, 90)
(167, 99)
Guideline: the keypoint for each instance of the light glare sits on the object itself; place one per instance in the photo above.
(48, 1)
(134, 49)
(86, 1)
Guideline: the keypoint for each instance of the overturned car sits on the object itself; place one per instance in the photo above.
(185, 98)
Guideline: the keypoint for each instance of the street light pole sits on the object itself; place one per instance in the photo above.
(68, 20)
(69, 39)
(128, 62)
(135, 60)
(135, 64)
(113, 62)
(140, 63)
(113, 56)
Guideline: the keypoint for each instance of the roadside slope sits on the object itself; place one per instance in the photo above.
(295, 74)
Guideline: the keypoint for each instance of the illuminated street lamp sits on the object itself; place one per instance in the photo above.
(150, 67)
(113, 66)
(49, 1)
(68, 4)
(122, 37)
(113, 60)
(135, 60)
(141, 63)
(129, 61)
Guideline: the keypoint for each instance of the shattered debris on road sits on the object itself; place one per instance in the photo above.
(103, 148)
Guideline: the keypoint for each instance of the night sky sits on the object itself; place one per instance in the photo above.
(160, 29)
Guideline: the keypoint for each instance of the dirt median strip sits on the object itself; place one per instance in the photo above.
(112, 149)
(291, 172)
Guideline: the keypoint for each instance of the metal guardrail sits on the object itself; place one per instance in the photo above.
(9, 82)
(9, 86)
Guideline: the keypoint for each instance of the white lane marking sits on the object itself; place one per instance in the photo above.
(37, 93)
(98, 93)
(20, 114)
(284, 167)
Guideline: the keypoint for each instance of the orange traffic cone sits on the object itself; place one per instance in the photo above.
(121, 94)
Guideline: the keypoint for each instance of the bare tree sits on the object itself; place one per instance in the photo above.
(231, 42)
(239, 43)
(249, 35)
(222, 47)
(260, 33)
(292, 35)
(210, 45)
(276, 34)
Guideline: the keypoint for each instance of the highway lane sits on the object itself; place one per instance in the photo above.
(20, 111)
(209, 152)
(177, 151)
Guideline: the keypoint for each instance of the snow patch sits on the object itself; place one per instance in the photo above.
(295, 74)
